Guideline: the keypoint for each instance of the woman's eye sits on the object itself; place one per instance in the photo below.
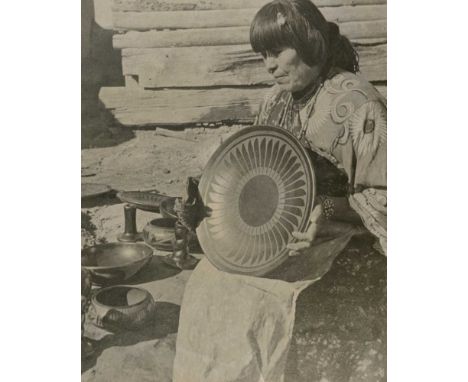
(271, 53)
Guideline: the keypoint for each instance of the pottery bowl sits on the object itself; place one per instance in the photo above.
(159, 234)
(123, 307)
(114, 263)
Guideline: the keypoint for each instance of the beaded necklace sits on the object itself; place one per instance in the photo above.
(305, 124)
(300, 135)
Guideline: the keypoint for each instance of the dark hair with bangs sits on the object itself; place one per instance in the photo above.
(305, 29)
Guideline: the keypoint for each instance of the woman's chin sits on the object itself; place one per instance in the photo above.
(292, 88)
(285, 87)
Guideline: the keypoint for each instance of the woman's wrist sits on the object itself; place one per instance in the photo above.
(328, 206)
(337, 208)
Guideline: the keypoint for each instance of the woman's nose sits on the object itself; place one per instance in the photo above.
(270, 63)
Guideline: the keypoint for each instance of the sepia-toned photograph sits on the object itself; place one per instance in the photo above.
(233, 190)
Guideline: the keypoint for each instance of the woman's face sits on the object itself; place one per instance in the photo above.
(289, 71)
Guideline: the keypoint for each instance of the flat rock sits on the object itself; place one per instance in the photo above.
(147, 361)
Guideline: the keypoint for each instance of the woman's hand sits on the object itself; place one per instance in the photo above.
(306, 238)
(322, 228)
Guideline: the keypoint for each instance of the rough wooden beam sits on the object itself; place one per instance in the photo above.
(192, 37)
(131, 82)
(369, 41)
(382, 89)
(229, 36)
(182, 19)
(230, 65)
(182, 106)
(195, 66)
(189, 5)
(231, 17)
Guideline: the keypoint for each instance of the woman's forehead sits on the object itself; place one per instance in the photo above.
(271, 40)
(278, 48)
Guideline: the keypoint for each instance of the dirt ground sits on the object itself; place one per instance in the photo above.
(340, 329)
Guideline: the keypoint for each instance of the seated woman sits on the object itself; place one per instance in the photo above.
(318, 97)
(238, 328)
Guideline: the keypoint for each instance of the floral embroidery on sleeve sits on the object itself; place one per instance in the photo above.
(368, 128)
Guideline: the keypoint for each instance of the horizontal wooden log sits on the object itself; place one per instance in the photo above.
(229, 36)
(229, 65)
(382, 89)
(192, 37)
(369, 41)
(373, 62)
(182, 106)
(131, 82)
(226, 65)
(231, 17)
(183, 19)
(190, 5)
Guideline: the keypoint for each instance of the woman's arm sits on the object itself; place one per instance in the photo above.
(367, 204)
(338, 209)
(368, 130)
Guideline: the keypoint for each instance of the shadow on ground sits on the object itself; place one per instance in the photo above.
(108, 199)
(340, 326)
(155, 270)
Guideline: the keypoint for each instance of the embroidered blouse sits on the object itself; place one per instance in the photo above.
(343, 123)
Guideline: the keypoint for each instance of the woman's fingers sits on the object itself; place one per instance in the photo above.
(294, 253)
(316, 213)
(298, 246)
(302, 236)
(306, 238)
(309, 235)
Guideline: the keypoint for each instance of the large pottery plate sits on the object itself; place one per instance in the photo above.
(259, 186)
(143, 200)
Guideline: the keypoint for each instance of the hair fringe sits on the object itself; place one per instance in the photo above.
(306, 30)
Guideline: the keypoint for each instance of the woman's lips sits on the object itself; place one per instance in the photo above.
(280, 79)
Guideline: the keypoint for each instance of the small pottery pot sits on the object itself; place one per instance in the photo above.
(123, 307)
(114, 263)
(159, 233)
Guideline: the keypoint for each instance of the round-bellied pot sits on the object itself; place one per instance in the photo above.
(123, 307)
(160, 234)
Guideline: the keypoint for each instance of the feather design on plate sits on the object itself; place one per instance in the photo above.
(259, 186)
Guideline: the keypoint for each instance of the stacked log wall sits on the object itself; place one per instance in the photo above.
(193, 57)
